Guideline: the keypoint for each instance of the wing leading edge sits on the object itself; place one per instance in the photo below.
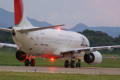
(5, 29)
(91, 49)
(37, 28)
(6, 45)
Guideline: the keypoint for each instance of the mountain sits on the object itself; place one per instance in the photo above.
(112, 31)
(7, 20)
(39, 23)
(79, 27)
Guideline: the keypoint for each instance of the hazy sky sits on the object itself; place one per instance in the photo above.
(71, 12)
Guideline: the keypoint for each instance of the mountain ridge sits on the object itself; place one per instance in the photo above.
(7, 20)
(112, 31)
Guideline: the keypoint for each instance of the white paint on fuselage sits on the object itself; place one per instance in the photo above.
(49, 41)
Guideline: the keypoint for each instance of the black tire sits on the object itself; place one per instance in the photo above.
(66, 64)
(20, 55)
(78, 64)
(33, 62)
(27, 62)
(72, 64)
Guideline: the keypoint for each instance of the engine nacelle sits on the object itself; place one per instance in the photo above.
(20, 55)
(93, 58)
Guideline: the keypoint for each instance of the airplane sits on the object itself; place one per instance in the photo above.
(49, 42)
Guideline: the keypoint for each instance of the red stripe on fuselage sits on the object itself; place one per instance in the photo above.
(18, 11)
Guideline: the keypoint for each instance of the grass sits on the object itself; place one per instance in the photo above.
(107, 63)
(7, 58)
(47, 76)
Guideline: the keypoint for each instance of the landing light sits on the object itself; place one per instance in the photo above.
(58, 28)
(52, 60)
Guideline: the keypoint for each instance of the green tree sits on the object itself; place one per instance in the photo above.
(98, 38)
(5, 37)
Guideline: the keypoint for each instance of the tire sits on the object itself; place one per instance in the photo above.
(27, 62)
(78, 64)
(20, 55)
(72, 64)
(66, 64)
(33, 62)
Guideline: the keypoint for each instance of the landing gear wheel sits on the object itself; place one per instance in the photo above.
(66, 64)
(72, 64)
(33, 62)
(78, 64)
(27, 62)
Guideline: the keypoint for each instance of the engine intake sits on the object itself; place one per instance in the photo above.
(20, 55)
(93, 58)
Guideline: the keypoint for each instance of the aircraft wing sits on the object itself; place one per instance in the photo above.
(37, 28)
(91, 49)
(5, 29)
(6, 45)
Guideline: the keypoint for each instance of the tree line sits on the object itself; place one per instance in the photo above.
(99, 38)
(96, 38)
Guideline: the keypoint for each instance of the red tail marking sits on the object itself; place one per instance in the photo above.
(18, 11)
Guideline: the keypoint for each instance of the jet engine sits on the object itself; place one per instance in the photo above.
(20, 55)
(93, 58)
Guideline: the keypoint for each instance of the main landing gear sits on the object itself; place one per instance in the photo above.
(27, 59)
(30, 61)
(72, 63)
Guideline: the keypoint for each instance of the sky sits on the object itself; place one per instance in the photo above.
(71, 12)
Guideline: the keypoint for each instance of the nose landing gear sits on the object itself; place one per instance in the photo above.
(78, 63)
(72, 63)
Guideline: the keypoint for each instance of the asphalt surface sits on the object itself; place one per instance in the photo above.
(83, 70)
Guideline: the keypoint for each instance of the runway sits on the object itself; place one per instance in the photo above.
(84, 70)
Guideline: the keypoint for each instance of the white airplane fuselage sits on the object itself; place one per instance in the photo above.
(48, 41)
